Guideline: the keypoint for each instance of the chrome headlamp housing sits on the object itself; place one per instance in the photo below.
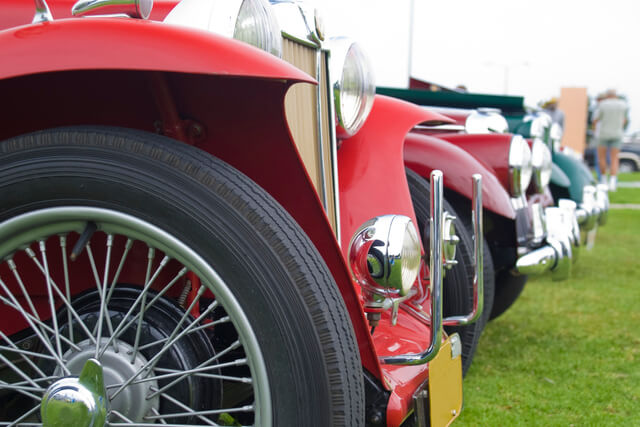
(555, 136)
(353, 84)
(541, 162)
(384, 255)
(250, 21)
(299, 21)
(520, 169)
(486, 120)
(538, 124)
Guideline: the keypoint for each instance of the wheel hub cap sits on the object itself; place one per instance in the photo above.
(77, 401)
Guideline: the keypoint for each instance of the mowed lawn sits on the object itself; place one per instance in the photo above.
(567, 353)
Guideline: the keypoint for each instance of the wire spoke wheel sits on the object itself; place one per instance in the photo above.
(147, 282)
(168, 348)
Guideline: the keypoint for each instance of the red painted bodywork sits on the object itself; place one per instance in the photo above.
(101, 71)
(108, 44)
(491, 149)
(424, 153)
(373, 182)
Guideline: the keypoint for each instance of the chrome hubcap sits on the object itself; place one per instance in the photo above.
(76, 401)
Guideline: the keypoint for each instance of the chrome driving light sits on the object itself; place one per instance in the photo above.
(555, 135)
(538, 124)
(541, 162)
(250, 21)
(486, 120)
(520, 169)
(353, 84)
(384, 255)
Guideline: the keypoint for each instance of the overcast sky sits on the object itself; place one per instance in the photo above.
(518, 47)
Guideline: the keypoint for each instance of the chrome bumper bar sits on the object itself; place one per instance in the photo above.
(478, 257)
(594, 209)
(436, 242)
(562, 239)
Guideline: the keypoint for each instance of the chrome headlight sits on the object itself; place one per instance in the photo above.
(384, 255)
(541, 163)
(555, 135)
(299, 21)
(538, 125)
(486, 120)
(353, 84)
(520, 169)
(250, 21)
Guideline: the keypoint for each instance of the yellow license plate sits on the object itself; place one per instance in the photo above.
(445, 383)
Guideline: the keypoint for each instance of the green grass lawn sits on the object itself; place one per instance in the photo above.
(567, 353)
(629, 177)
(625, 195)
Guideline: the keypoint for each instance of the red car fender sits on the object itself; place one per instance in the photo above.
(424, 153)
(372, 183)
(104, 72)
(371, 166)
(492, 149)
(133, 44)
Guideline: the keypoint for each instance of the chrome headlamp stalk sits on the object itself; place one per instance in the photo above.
(486, 120)
(520, 169)
(353, 85)
(250, 21)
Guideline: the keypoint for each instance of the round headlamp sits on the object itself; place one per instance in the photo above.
(541, 163)
(353, 84)
(486, 120)
(539, 125)
(520, 169)
(384, 255)
(250, 21)
(555, 135)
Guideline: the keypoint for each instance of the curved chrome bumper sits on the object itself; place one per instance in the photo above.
(594, 209)
(561, 244)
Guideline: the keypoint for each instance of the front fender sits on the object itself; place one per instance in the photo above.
(371, 165)
(578, 174)
(558, 177)
(491, 149)
(423, 153)
(133, 44)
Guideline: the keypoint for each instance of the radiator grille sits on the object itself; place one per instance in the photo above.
(312, 140)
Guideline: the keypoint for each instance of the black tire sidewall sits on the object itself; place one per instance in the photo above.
(54, 169)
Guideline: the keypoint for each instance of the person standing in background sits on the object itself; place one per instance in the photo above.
(609, 120)
(551, 107)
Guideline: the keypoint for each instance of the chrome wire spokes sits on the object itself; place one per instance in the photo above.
(90, 290)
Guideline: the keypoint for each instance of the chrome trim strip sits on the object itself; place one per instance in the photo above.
(447, 127)
(43, 14)
(134, 8)
(435, 279)
(334, 147)
(321, 165)
(478, 256)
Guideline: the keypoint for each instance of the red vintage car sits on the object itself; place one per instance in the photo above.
(524, 233)
(196, 232)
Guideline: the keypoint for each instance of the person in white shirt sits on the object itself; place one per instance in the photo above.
(610, 119)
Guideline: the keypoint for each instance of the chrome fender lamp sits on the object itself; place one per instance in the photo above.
(384, 258)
